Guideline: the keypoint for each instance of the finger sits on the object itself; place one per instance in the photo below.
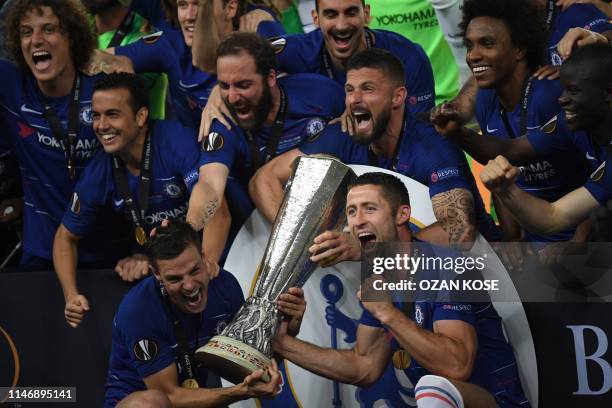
(254, 377)
(289, 298)
(324, 236)
(84, 302)
(296, 291)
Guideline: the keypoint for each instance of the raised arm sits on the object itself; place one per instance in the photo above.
(266, 186)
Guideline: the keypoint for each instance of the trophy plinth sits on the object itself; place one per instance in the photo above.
(314, 202)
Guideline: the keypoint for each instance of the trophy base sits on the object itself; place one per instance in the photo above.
(232, 359)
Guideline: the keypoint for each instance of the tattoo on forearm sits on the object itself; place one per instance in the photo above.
(454, 210)
(211, 208)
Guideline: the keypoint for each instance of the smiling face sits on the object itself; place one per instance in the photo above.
(245, 92)
(45, 47)
(585, 101)
(185, 279)
(187, 13)
(369, 98)
(370, 216)
(342, 24)
(491, 55)
(114, 121)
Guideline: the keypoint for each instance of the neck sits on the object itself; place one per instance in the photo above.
(59, 86)
(132, 154)
(601, 134)
(341, 63)
(110, 19)
(276, 97)
(385, 146)
(510, 90)
(404, 234)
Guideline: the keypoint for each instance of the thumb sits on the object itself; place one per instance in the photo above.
(83, 301)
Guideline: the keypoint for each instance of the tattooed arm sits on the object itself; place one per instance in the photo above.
(207, 194)
(454, 210)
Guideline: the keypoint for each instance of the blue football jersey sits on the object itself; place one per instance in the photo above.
(174, 160)
(165, 51)
(550, 176)
(495, 367)
(307, 114)
(303, 53)
(144, 341)
(425, 157)
(584, 16)
(47, 186)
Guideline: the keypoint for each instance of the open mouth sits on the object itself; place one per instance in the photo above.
(476, 70)
(41, 59)
(189, 29)
(569, 115)
(366, 237)
(108, 137)
(363, 119)
(193, 299)
(342, 40)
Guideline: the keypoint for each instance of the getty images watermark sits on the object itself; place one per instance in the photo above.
(420, 271)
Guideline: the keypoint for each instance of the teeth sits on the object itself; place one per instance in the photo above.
(40, 54)
(479, 69)
(190, 29)
(108, 137)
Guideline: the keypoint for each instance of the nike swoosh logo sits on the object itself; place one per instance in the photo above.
(589, 157)
(491, 130)
(24, 108)
(118, 202)
(181, 83)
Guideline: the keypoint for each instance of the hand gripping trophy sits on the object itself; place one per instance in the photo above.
(314, 202)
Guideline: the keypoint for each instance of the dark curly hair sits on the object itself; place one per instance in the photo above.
(72, 20)
(524, 18)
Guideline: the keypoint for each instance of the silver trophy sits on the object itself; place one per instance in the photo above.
(314, 202)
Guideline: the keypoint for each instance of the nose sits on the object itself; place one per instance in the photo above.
(37, 37)
(102, 122)
(563, 99)
(473, 55)
(188, 283)
(341, 22)
(233, 96)
(353, 98)
(192, 12)
(359, 219)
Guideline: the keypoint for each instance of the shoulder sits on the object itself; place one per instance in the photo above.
(316, 90)
(173, 132)
(225, 291)
(309, 42)
(141, 304)
(397, 44)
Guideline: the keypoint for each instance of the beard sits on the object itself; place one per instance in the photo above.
(261, 110)
(99, 6)
(380, 125)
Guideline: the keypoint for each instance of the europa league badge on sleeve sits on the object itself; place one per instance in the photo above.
(314, 202)
(140, 235)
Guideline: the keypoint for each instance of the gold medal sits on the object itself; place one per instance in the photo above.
(191, 384)
(141, 235)
(401, 359)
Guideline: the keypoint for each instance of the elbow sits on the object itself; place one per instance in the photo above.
(366, 380)
(458, 372)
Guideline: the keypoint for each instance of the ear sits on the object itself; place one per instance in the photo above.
(403, 215)
(521, 53)
(315, 17)
(366, 12)
(155, 273)
(141, 116)
(231, 9)
(399, 97)
(271, 78)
